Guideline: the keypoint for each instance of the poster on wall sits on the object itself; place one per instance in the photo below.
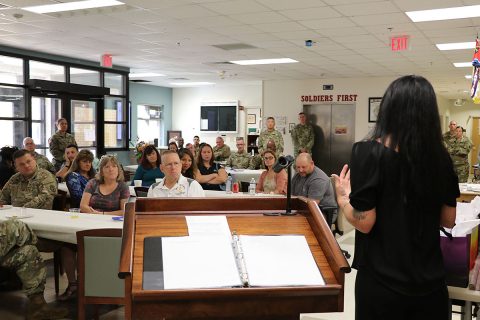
(373, 108)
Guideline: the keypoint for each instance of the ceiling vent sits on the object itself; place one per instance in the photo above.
(234, 46)
(179, 79)
(459, 102)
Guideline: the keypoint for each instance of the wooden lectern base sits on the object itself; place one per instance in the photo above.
(166, 217)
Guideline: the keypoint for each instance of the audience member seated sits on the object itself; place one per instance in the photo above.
(31, 187)
(241, 158)
(107, 193)
(7, 169)
(81, 171)
(189, 168)
(19, 253)
(212, 176)
(191, 148)
(221, 151)
(257, 162)
(311, 182)
(180, 142)
(269, 181)
(173, 146)
(174, 184)
(70, 153)
(149, 168)
(42, 161)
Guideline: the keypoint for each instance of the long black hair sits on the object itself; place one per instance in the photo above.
(408, 121)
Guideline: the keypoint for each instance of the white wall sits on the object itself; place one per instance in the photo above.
(186, 108)
(284, 98)
(464, 113)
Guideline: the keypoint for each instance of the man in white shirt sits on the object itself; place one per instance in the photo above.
(174, 184)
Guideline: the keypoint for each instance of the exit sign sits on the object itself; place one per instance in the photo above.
(399, 43)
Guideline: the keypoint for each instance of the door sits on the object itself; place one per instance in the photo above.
(334, 130)
(45, 112)
(475, 137)
(84, 125)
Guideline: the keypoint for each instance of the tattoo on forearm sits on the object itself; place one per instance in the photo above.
(358, 215)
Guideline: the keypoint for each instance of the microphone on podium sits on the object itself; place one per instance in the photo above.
(285, 162)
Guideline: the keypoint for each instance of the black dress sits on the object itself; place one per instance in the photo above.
(399, 262)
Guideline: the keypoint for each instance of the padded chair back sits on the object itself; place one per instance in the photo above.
(141, 191)
(98, 263)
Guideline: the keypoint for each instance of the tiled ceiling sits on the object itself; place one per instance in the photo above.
(178, 38)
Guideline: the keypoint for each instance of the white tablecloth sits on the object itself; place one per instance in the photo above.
(244, 175)
(59, 225)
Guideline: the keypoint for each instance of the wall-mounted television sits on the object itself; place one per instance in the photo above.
(219, 117)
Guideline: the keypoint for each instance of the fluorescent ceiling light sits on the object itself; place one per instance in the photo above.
(191, 83)
(462, 64)
(145, 75)
(70, 6)
(468, 76)
(263, 61)
(444, 14)
(456, 45)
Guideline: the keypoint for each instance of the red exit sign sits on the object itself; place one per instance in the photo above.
(399, 43)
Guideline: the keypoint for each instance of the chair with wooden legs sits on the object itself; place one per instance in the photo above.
(98, 265)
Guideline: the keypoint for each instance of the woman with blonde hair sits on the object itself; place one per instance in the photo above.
(107, 193)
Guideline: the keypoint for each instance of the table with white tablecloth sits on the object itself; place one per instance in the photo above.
(59, 225)
(224, 194)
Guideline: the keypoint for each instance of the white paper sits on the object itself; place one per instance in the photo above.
(279, 261)
(208, 226)
(199, 262)
(465, 227)
(466, 211)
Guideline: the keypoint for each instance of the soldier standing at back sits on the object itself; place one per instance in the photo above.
(459, 148)
(302, 136)
(270, 134)
(241, 158)
(449, 136)
(59, 141)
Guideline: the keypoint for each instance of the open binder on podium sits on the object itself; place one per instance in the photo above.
(202, 262)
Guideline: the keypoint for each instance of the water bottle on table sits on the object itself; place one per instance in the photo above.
(228, 184)
(252, 187)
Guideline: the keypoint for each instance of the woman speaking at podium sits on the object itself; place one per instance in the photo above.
(401, 187)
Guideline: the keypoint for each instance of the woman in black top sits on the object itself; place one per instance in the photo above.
(400, 189)
(7, 170)
(212, 176)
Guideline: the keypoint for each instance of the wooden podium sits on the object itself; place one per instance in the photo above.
(246, 216)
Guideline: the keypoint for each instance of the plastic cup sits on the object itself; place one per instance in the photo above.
(137, 183)
(74, 213)
(23, 212)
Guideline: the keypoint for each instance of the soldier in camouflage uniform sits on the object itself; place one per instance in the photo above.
(302, 136)
(241, 158)
(59, 141)
(449, 136)
(196, 145)
(459, 148)
(270, 134)
(19, 253)
(42, 161)
(30, 187)
(221, 152)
